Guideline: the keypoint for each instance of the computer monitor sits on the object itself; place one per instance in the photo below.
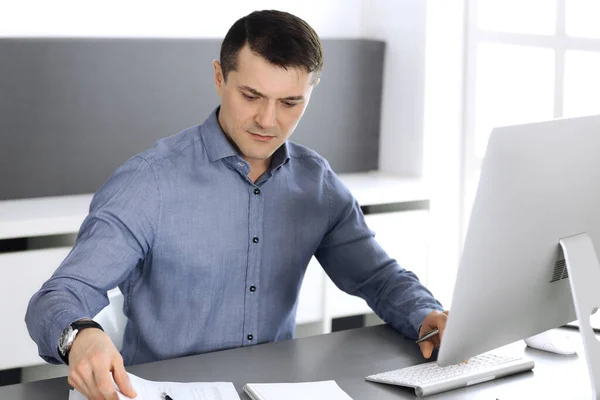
(539, 184)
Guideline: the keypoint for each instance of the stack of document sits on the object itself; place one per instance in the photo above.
(178, 391)
(325, 390)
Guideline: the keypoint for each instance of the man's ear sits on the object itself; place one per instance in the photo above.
(218, 76)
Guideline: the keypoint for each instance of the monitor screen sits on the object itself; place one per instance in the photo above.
(540, 183)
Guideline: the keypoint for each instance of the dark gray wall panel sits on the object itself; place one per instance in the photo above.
(73, 110)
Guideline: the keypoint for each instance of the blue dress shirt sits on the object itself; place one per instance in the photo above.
(208, 260)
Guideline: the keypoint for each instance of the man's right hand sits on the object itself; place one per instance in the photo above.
(92, 359)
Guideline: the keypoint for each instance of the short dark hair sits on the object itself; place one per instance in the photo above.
(279, 37)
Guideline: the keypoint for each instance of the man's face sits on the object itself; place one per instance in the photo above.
(261, 104)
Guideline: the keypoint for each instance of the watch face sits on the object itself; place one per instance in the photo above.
(66, 339)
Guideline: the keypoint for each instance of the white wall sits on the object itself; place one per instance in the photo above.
(422, 112)
(165, 18)
(401, 24)
(442, 137)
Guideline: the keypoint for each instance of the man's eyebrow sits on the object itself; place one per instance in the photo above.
(253, 91)
(293, 98)
(259, 94)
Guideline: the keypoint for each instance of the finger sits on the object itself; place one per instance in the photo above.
(441, 325)
(79, 384)
(105, 384)
(94, 392)
(95, 368)
(122, 379)
(426, 348)
(83, 373)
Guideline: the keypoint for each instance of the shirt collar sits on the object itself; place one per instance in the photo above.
(280, 157)
(218, 145)
(215, 141)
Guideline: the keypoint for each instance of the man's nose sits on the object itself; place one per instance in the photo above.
(267, 115)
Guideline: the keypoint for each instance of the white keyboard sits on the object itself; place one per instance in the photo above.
(430, 378)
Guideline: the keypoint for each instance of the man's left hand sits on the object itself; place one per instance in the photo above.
(435, 319)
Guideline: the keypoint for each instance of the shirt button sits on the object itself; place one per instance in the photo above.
(250, 337)
(257, 191)
(253, 288)
(254, 239)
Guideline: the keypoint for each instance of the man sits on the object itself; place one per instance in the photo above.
(208, 234)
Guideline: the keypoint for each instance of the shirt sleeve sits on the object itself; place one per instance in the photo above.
(358, 265)
(116, 235)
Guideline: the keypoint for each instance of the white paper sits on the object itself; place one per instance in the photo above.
(323, 390)
(150, 390)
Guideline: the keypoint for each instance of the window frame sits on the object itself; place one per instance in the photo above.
(560, 42)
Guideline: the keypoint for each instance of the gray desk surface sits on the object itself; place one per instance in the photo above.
(347, 357)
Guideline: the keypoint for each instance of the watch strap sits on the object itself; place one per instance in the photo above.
(78, 325)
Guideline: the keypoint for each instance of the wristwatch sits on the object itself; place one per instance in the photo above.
(68, 335)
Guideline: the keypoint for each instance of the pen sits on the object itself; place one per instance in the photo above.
(166, 396)
(428, 335)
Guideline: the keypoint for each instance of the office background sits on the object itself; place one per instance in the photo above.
(419, 133)
(405, 126)
(74, 109)
(451, 71)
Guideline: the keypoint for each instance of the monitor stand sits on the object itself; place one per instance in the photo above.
(584, 277)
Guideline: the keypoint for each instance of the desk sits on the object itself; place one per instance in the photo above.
(347, 357)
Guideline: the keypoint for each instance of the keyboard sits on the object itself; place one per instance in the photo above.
(429, 378)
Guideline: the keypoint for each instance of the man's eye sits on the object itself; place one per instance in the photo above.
(289, 104)
(248, 97)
